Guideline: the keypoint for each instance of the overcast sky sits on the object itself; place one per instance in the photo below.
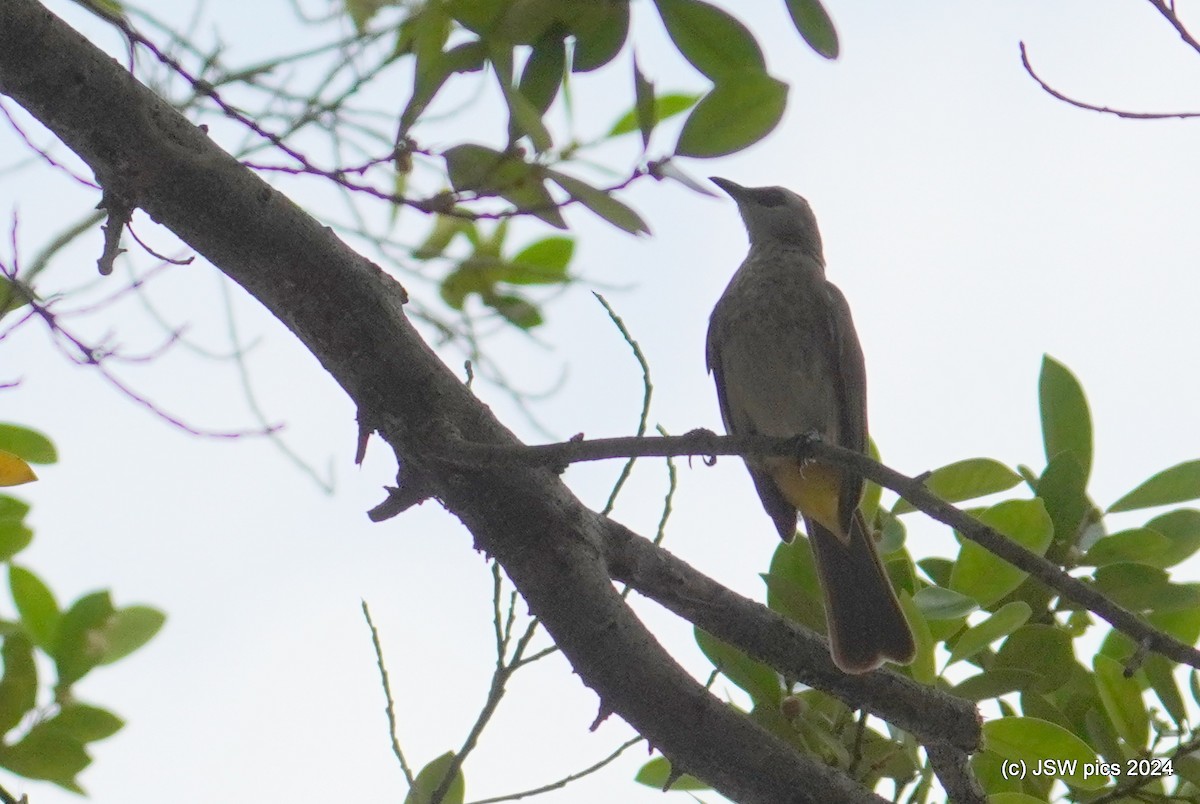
(973, 222)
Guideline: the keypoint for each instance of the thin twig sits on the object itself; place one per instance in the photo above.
(387, 693)
(647, 392)
(1126, 790)
(566, 780)
(1094, 108)
(1168, 12)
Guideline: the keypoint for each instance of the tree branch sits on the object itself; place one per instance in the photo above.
(1092, 107)
(349, 314)
(791, 649)
(706, 443)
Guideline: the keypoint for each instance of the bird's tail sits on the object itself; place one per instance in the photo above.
(866, 624)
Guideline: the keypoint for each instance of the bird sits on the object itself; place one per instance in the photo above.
(787, 362)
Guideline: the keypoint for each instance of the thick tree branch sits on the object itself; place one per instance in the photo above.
(349, 314)
(953, 769)
(933, 717)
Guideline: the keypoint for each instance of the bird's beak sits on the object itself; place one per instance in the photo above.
(731, 188)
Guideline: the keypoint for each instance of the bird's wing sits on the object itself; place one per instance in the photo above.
(782, 513)
(851, 376)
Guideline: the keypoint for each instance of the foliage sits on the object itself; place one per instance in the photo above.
(533, 50)
(45, 728)
(1006, 642)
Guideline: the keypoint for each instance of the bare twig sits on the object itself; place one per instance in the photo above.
(566, 780)
(1167, 9)
(387, 693)
(647, 393)
(1092, 107)
(1127, 790)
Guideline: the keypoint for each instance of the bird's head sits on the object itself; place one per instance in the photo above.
(774, 215)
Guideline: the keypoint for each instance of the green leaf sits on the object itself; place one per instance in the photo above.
(361, 12)
(738, 112)
(433, 71)
(1143, 588)
(992, 774)
(517, 311)
(1004, 621)
(1184, 625)
(129, 629)
(1063, 490)
(939, 603)
(488, 172)
(1032, 740)
(12, 508)
(1182, 531)
(994, 683)
(657, 771)
(1044, 650)
(665, 106)
(923, 669)
(525, 119)
(478, 16)
(86, 723)
(965, 480)
(600, 203)
(542, 74)
(937, 569)
(600, 31)
(15, 536)
(1100, 732)
(49, 754)
(814, 24)
(793, 588)
(1011, 797)
(431, 776)
(18, 687)
(1138, 546)
(644, 105)
(1034, 704)
(1123, 702)
(986, 577)
(106, 8)
(36, 605)
(27, 444)
(873, 493)
(541, 263)
(1188, 769)
(473, 275)
(759, 681)
(714, 42)
(1178, 484)
(1066, 421)
(1159, 672)
(81, 641)
(445, 228)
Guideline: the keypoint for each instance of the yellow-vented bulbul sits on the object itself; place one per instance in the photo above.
(787, 362)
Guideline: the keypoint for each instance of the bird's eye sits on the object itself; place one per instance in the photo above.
(771, 197)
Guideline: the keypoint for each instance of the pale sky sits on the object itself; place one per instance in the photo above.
(973, 222)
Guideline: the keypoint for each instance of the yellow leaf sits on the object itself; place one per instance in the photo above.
(14, 471)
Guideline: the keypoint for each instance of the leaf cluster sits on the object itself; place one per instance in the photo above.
(44, 733)
(532, 50)
(989, 633)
